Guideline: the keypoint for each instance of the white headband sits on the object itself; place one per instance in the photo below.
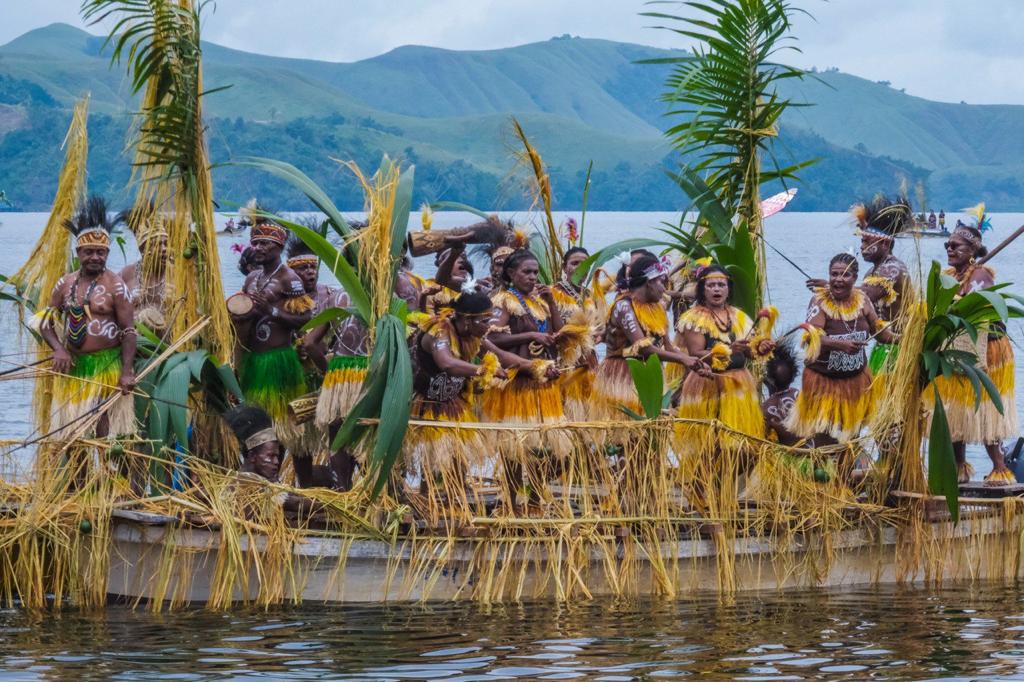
(260, 437)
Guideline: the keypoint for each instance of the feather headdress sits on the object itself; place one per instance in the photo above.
(882, 216)
(91, 225)
(981, 219)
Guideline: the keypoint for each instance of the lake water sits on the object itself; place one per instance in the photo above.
(952, 634)
(959, 633)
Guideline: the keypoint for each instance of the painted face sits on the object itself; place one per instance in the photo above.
(841, 278)
(573, 262)
(656, 288)
(93, 259)
(497, 263)
(265, 460)
(158, 245)
(473, 325)
(309, 272)
(873, 247)
(716, 291)
(524, 276)
(264, 251)
(958, 251)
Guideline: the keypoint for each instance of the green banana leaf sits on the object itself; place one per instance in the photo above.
(942, 476)
(649, 382)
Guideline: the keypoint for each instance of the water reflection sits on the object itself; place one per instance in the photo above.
(869, 634)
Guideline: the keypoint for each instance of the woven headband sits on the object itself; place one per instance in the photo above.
(303, 260)
(94, 236)
(875, 232)
(656, 270)
(152, 233)
(260, 437)
(268, 232)
(971, 238)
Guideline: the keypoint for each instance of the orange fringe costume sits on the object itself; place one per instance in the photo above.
(731, 395)
(614, 387)
(577, 384)
(984, 424)
(836, 396)
(528, 397)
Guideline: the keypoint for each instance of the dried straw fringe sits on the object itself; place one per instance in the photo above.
(51, 254)
(575, 550)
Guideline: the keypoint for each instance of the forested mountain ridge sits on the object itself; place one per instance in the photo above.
(580, 100)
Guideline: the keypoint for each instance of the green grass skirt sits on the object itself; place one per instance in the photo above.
(272, 379)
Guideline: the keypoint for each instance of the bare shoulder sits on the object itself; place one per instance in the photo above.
(115, 283)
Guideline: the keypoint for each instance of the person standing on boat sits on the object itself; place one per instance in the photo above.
(304, 263)
(452, 361)
(526, 322)
(576, 306)
(270, 372)
(984, 424)
(887, 282)
(637, 327)
(90, 325)
(835, 400)
(716, 330)
(942, 220)
(148, 289)
(931, 221)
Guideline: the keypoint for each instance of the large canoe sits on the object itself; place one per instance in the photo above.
(984, 545)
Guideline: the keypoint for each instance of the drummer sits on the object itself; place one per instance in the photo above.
(272, 306)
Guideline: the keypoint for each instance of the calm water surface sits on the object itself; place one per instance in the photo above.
(955, 634)
(961, 633)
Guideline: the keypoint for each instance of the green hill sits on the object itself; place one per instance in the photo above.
(580, 100)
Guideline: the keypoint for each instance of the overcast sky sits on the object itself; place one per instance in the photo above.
(948, 50)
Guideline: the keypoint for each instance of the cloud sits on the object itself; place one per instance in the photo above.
(947, 50)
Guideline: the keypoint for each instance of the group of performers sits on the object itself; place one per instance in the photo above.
(509, 349)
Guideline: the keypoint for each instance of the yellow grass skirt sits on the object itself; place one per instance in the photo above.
(434, 448)
(92, 380)
(839, 407)
(984, 425)
(729, 397)
(343, 382)
(578, 394)
(613, 389)
(524, 400)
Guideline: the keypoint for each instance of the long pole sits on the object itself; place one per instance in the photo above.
(1002, 245)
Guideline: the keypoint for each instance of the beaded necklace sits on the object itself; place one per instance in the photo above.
(542, 325)
(78, 314)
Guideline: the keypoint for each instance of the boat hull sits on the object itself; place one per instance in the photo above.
(166, 563)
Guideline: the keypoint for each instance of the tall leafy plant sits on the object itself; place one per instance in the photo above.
(724, 100)
(159, 41)
(950, 317)
(370, 284)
